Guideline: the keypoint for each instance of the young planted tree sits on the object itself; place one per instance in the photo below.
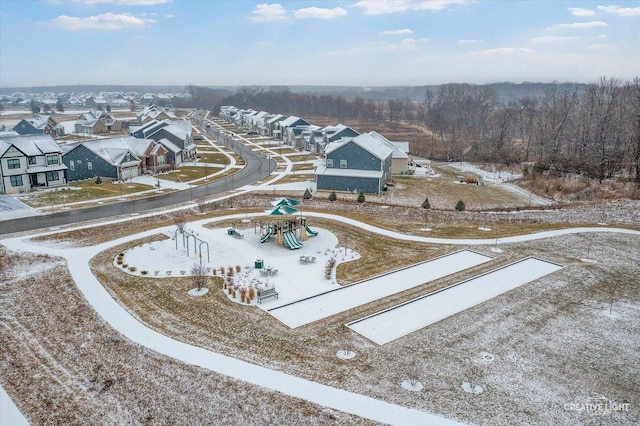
(425, 204)
(333, 197)
(199, 275)
(180, 220)
(460, 206)
(361, 197)
(307, 194)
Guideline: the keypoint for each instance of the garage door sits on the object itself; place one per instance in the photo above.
(129, 172)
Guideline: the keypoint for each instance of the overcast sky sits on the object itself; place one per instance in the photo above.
(315, 42)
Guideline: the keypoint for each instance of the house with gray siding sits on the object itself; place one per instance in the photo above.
(30, 162)
(177, 132)
(113, 157)
(362, 163)
(39, 125)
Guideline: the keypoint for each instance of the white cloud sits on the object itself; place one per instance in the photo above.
(169, 16)
(621, 11)
(125, 2)
(578, 11)
(379, 7)
(502, 51)
(105, 21)
(553, 39)
(590, 24)
(470, 41)
(405, 31)
(602, 46)
(408, 42)
(269, 13)
(319, 13)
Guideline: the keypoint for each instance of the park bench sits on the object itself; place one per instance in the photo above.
(267, 293)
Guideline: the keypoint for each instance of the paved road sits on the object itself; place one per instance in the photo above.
(257, 167)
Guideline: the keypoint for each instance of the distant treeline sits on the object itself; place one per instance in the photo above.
(587, 129)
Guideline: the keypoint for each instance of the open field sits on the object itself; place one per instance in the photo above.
(543, 355)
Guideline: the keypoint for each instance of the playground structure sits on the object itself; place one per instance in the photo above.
(290, 232)
(197, 243)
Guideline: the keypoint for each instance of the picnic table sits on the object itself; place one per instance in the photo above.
(307, 259)
(268, 270)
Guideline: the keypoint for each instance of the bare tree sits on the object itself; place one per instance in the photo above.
(411, 374)
(180, 220)
(347, 347)
(199, 275)
(473, 374)
(612, 287)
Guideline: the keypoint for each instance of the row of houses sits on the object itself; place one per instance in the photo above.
(29, 162)
(353, 162)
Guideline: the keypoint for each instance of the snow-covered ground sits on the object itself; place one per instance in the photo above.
(486, 175)
(12, 208)
(121, 320)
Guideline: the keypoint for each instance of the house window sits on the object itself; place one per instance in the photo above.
(329, 162)
(160, 160)
(16, 180)
(52, 159)
(13, 163)
(128, 157)
(52, 176)
(343, 164)
(32, 160)
(72, 165)
(89, 165)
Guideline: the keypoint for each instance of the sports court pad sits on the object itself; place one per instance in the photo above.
(388, 325)
(332, 302)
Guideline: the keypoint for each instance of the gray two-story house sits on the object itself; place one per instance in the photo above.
(362, 163)
(29, 162)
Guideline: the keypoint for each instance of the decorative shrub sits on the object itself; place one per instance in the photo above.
(460, 206)
(144, 272)
(333, 197)
(238, 268)
(119, 261)
(252, 293)
(156, 273)
(307, 194)
(124, 265)
(425, 203)
(471, 179)
(360, 197)
(132, 268)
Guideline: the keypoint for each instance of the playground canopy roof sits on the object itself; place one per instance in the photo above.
(281, 210)
(290, 202)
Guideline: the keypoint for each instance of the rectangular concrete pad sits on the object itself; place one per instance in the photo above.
(333, 302)
(386, 326)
